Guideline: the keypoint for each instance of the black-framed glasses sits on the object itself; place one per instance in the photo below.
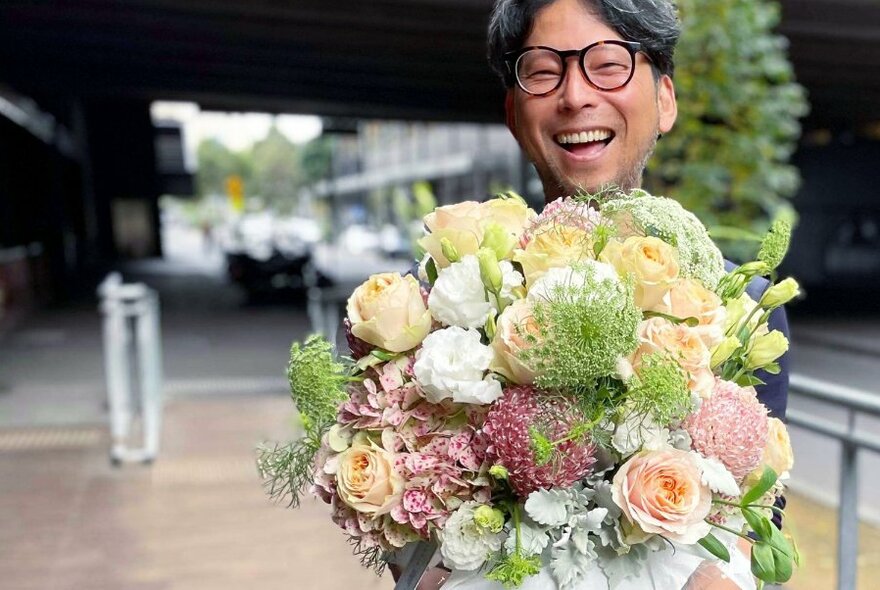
(607, 65)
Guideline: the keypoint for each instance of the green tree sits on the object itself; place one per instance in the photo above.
(216, 163)
(738, 111)
(277, 174)
(316, 158)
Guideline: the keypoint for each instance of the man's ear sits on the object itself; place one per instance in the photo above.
(666, 104)
(510, 113)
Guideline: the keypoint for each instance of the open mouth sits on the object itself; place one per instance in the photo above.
(584, 143)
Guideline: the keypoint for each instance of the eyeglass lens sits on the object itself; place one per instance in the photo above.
(607, 66)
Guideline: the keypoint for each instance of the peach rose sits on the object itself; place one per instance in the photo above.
(658, 335)
(688, 298)
(514, 325)
(388, 311)
(461, 224)
(778, 454)
(662, 492)
(652, 262)
(366, 479)
(555, 247)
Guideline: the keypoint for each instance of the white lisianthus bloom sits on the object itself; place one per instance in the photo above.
(543, 288)
(458, 297)
(510, 280)
(465, 545)
(452, 363)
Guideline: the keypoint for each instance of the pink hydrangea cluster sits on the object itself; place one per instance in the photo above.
(730, 426)
(439, 450)
(564, 211)
(509, 425)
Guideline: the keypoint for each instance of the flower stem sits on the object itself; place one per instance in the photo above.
(730, 530)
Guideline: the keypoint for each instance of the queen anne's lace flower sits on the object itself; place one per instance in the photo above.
(465, 545)
(731, 426)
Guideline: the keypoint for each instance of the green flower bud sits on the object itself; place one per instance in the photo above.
(498, 239)
(723, 351)
(766, 349)
(499, 472)
(491, 519)
(780, 294)
(490, 326)
(775, 243)
(449, 251)
(490, 270)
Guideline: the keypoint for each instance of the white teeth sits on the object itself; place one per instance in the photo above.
(584, 136)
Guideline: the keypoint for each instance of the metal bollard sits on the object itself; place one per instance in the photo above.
(132, 367)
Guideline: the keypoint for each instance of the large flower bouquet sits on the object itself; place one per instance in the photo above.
(563, 400)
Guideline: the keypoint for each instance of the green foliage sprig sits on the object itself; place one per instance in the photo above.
(773, 556)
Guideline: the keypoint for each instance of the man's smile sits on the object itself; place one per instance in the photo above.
(584, 144)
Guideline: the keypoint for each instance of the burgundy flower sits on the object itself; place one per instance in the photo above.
(522, 411)
(358, 347)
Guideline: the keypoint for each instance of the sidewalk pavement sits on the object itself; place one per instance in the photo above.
(196, 519)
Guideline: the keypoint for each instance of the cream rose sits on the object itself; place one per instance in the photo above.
(515, 324)
(513, 215)
(554, 247)
(461, 224)
(658, 335)
(388, 311)
(689, 299)
(366, 479)
(778, 454)
(662, 492)
(652, 262)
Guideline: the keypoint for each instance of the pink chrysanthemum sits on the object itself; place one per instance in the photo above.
(731, 426)
(523, 410)
(567, 212)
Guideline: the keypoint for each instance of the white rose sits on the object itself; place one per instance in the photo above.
(458, 297)
(452, 363)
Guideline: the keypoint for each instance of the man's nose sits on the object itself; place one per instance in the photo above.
(576, 92)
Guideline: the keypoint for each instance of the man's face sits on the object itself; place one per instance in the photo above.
(630, 117)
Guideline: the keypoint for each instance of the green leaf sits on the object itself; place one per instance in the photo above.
(763, 564)
(431, 270)
(772, 368)
(749, 380)
(759, 523)
(768, 478)
(711, 544)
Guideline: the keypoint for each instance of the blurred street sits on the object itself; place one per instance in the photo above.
(198, 518)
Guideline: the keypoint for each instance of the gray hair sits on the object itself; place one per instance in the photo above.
(653, 23)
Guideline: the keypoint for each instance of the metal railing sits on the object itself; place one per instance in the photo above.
(132, 366)
(851, 441)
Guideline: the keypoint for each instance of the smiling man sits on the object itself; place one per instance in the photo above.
(589, 86)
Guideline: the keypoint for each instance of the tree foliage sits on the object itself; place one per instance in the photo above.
(274, 168)
(738, 111)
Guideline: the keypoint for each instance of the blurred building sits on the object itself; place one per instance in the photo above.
(378, 160)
